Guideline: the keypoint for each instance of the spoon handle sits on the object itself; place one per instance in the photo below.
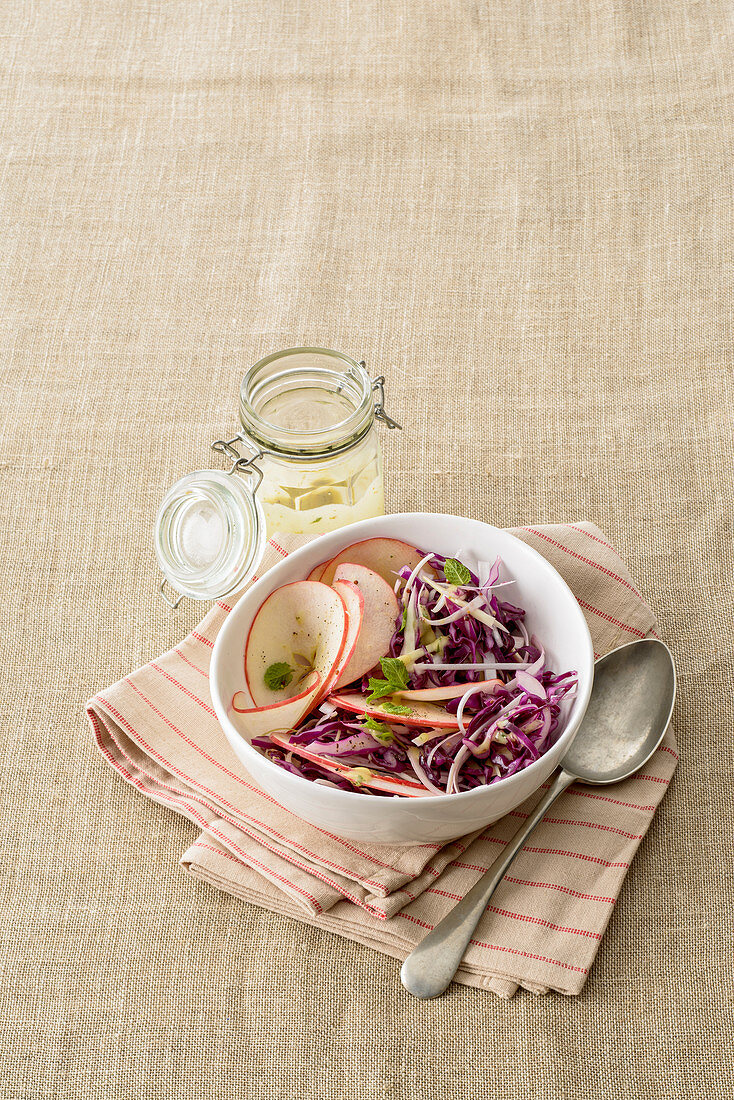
(432, 964)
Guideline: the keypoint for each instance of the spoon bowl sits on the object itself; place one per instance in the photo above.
(628, 713)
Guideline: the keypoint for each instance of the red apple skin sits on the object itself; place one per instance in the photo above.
(385, 556)
(262, 721)
(452, 691)
(316, 572)
(354, 604)
(388, 784)
(380, 612)
(423, 714)
(301, 617)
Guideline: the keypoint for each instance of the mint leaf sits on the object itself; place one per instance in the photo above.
(395, 672)
(278, 675)
(396, 678)
(455, 572)
(380, 731)
(376, 727)
(378, 688)
(393, 708)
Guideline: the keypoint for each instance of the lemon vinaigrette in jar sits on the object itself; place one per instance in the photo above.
(307, 460)
(311, 414)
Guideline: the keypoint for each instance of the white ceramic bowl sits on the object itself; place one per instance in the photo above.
(552, 614)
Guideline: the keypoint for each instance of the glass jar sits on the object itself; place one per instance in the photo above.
(311, 414)
(311, 463)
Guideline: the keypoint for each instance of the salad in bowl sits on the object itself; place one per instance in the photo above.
(402, 689)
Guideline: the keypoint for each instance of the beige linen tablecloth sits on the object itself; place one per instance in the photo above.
(522, 215)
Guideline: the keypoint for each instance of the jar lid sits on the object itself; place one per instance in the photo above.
(209, 534)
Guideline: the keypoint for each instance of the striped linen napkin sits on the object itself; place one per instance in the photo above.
(158, 729)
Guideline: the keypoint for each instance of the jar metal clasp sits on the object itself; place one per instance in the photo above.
(378, 387)
(240, 463)
(173, 604)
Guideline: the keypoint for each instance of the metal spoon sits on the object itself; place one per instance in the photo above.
(628, 713)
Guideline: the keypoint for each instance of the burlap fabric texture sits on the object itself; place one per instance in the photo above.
(522, 215)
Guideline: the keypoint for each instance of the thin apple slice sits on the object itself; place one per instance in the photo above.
(386, 556)
(380, 612)
(301, 626)
(261, 721)
(354, 602)
(421, 714)
(358, 775)
(315, 574)
(450, 691)
(242, 700)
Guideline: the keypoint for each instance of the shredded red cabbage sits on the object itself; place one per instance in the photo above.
(502, 730)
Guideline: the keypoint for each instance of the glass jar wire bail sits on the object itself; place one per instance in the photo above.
(240, 463)
(378, 387)
(173, 604)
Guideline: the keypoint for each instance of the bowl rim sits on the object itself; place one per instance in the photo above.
(338, 794)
